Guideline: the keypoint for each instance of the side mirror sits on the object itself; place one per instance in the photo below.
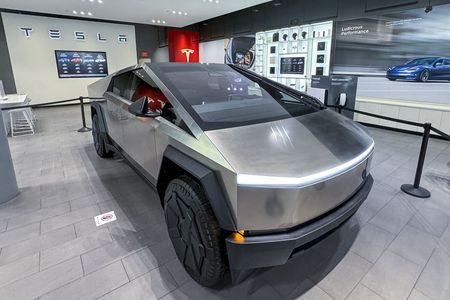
(139, 107)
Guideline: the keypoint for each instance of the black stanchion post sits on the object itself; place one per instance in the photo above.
(415, 189)
(83, 118)
(339, 109)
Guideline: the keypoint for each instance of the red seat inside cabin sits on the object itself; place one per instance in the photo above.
(156, 99)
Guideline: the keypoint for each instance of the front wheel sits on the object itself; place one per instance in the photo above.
(194, 231)
(424, 76)
(392, 79)
(99, 139)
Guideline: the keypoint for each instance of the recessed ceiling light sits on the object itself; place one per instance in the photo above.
(180, 13)
(217, 1)
(82, 13)
(153, 21)
(89, 14)
(164, 22)
(185, 13)
(100, 1)
(174, 12)
(75, 12)
(158, 21)
(91, 0)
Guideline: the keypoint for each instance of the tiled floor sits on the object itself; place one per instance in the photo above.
(395, 247)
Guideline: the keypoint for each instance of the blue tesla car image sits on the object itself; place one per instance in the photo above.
(421, 69)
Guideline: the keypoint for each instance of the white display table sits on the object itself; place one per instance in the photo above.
(11, 101)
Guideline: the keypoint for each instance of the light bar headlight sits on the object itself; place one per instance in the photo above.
(298, 182)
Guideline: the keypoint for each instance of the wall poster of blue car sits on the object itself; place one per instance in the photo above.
(404, 56)
(79, 64)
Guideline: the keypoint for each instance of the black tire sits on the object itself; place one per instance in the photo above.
(99, 139)
(195, 232)
(392, 79)
(424, 76)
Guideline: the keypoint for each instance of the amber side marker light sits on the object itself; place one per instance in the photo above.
(238, 236)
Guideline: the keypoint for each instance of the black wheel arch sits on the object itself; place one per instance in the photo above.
(96, 109)
(175, 164)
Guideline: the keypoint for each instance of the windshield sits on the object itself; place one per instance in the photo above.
(218, 96)
(421, 61)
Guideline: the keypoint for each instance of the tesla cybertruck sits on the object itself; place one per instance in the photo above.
(249, 171)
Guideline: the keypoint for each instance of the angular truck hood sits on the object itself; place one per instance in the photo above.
(294, 148)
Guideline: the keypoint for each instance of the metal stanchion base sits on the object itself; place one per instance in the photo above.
(84, 129)
(419, 192)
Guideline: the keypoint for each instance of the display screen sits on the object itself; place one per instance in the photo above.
(401, 56)
(292, 65)
(78, 64)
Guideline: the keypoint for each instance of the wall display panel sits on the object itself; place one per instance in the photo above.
(401, 56)
(292, 55)
(42, 36)
(80, 64)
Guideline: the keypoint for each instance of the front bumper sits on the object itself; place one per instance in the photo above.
(402, 75)
(276, 249)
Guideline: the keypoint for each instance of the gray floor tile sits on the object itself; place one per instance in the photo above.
(178, 272)
(361, 292)
(417, 295)
(19, 269)
(414, 245)
(91, 286)
(429, 217)
(307, 290)
(11, 237)
(192, 290)
(434, 281)
(139, 263)
(392, 276)
(75, 247)
(43, 282)
(2, 225)
(69, 218)
(286, 278)
(371, 242)
(394, 215)
(85, 227)
(38, 215)
(36, 244)
(345, 276)
(152, 285)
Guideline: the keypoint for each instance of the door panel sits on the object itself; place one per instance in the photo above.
(139, 132)
(114, 115)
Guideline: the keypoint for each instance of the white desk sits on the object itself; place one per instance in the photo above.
(11, 101)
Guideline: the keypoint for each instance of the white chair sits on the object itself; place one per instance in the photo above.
(22, 121)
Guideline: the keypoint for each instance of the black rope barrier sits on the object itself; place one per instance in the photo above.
(340, 108)
(412, 189)
(84, 128)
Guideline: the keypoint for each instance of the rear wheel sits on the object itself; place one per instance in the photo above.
(424, 76)
(194, 231)
(392, 79)
(99, 139)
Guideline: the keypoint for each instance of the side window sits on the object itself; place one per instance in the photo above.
(447, 62)
(439, 62)
(120, 85)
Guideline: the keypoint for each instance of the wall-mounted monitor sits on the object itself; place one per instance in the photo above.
(294, 65)
(81, 64)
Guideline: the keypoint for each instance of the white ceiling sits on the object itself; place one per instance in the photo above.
(135, 11)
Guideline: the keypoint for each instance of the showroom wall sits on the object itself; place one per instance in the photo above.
(286, 13)
(32, 52)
